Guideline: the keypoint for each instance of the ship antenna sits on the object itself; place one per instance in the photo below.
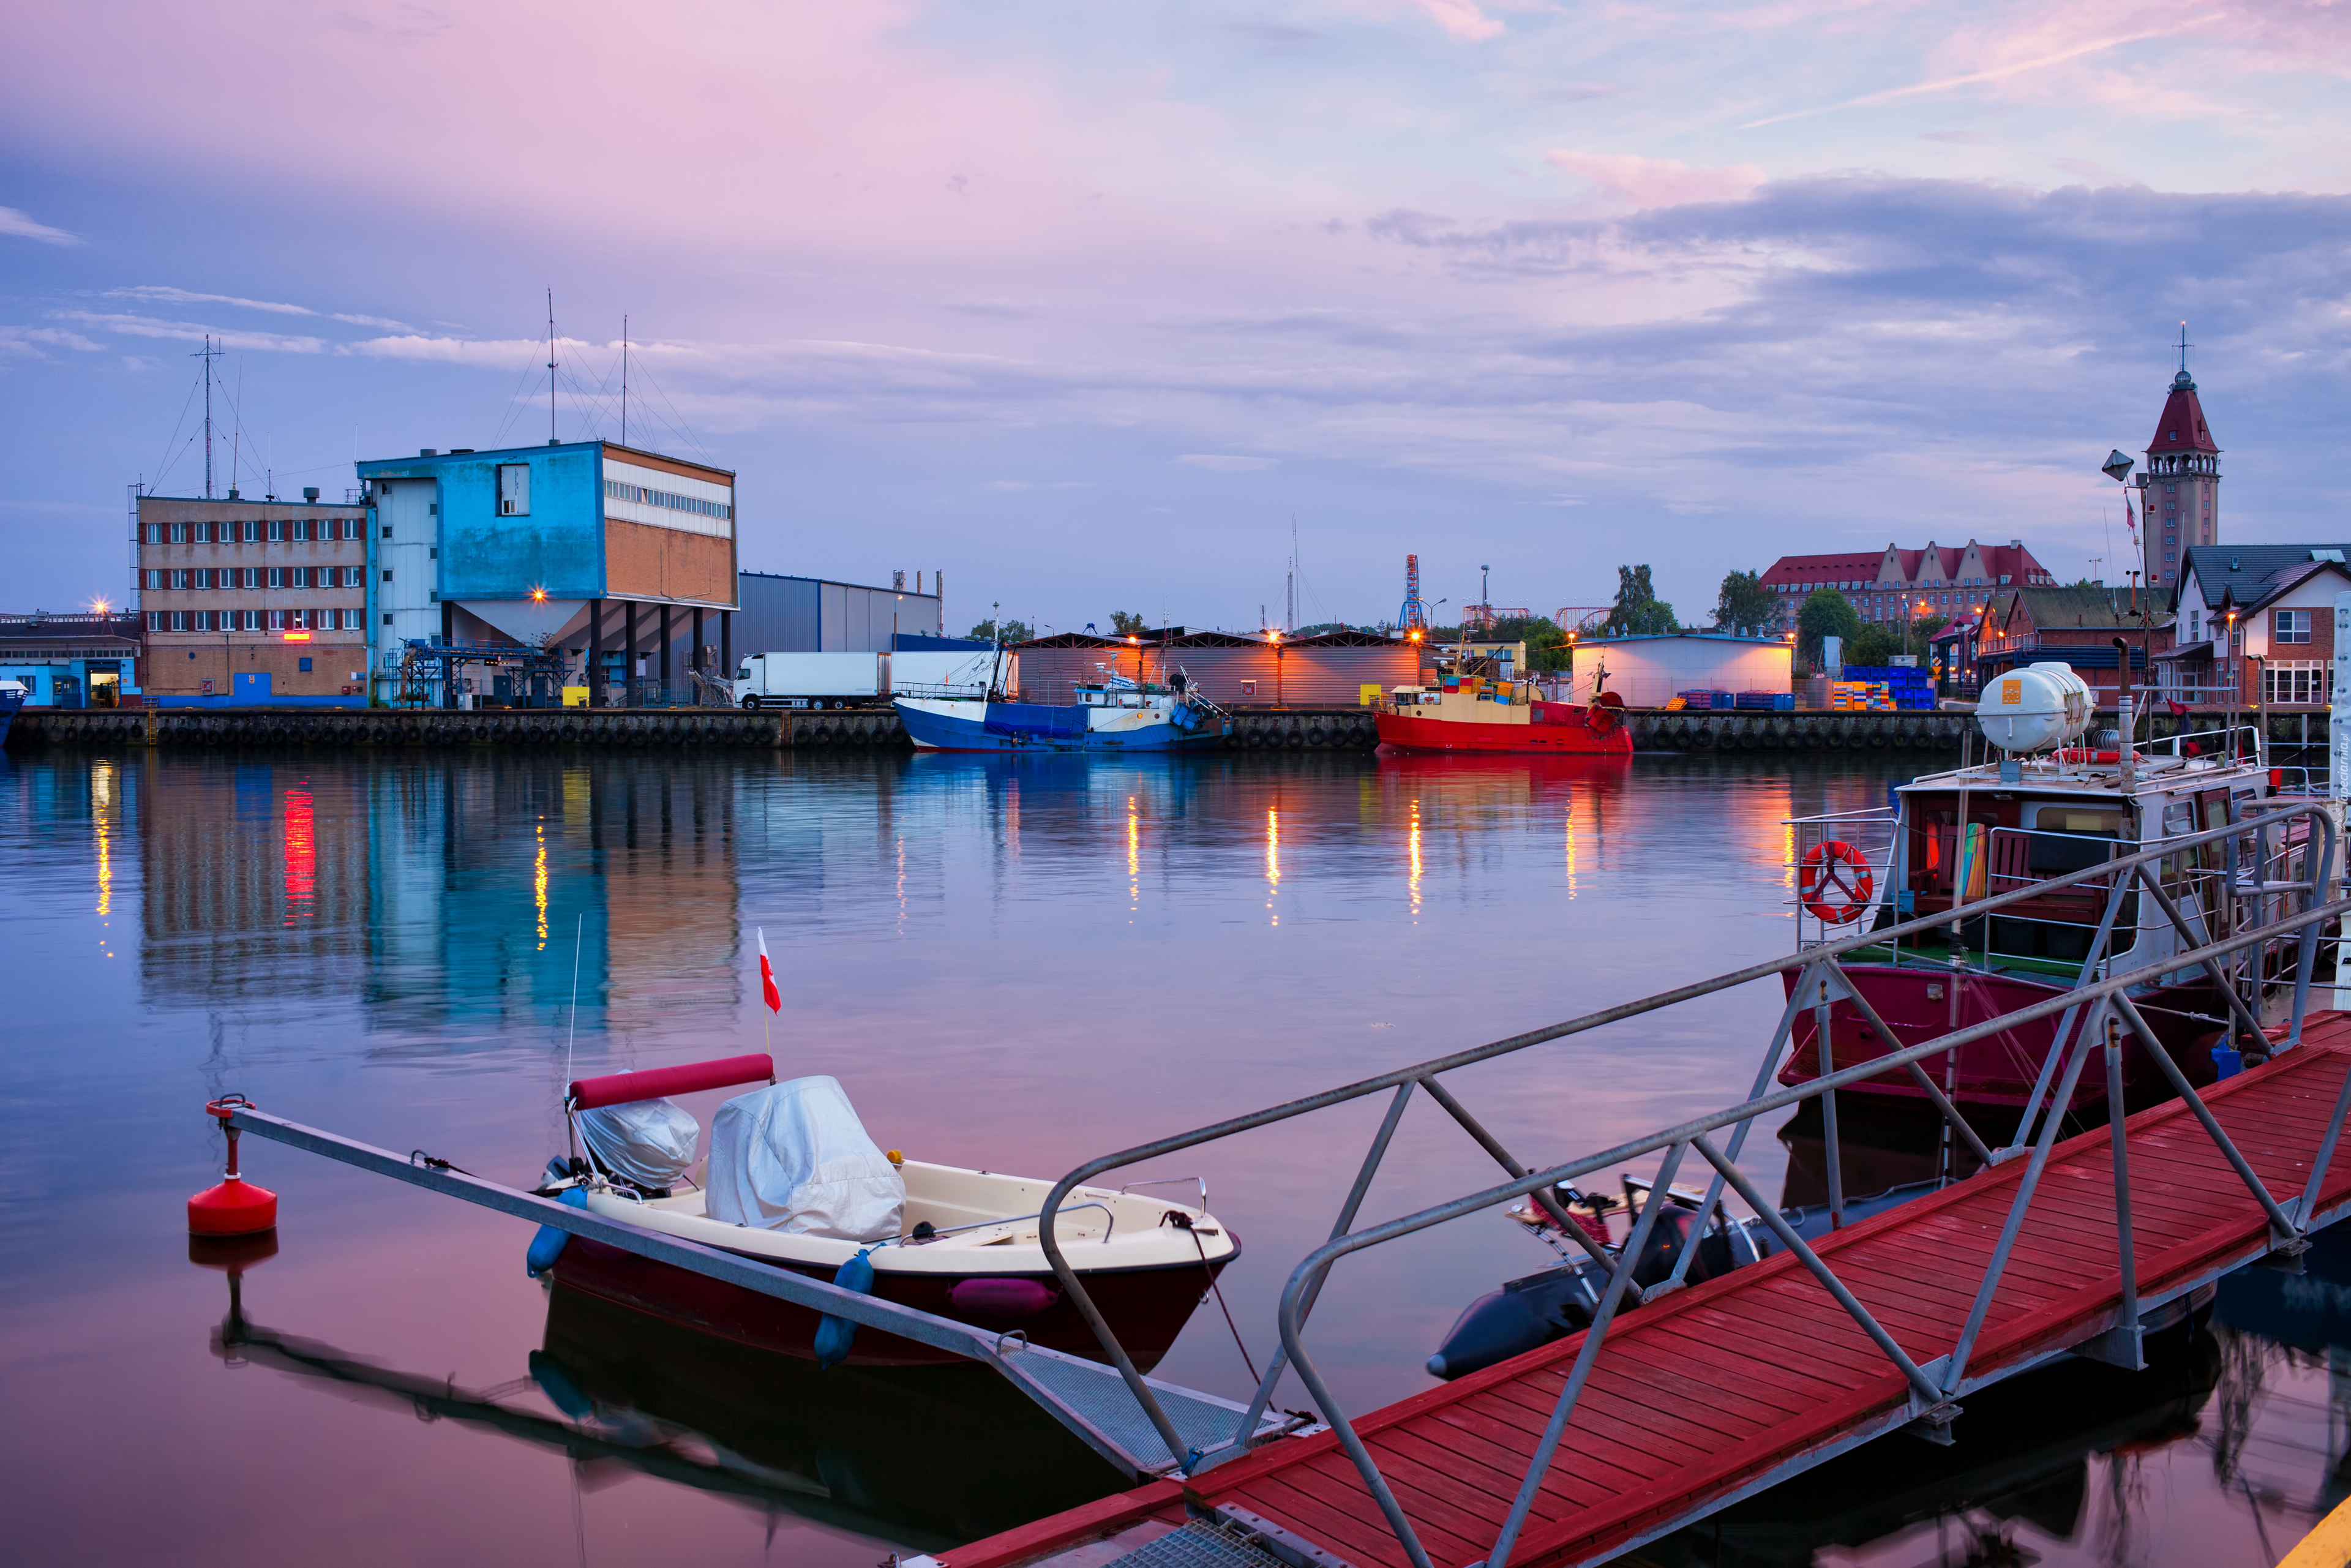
(624, 378)
(550, 366)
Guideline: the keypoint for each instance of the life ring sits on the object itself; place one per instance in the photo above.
(1600, 718)
(1820, 875)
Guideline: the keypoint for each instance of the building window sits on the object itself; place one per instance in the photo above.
(513, 490)
(277, 580)
(180, 537)
(615, 490)
(253, 577)
(277, 623)
(387, 576)
(277, 533)
(155, 536)
(155, 623)
(2296, 681)
(305, 665)
(387, 533)
(386, 620)
(353, 578)
(2292, 626)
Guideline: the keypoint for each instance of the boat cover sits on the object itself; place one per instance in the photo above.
(650, 1142)
(794, 1158)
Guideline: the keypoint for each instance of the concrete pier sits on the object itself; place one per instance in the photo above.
(2297, 737)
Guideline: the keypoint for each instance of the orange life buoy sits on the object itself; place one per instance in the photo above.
(1825, 871)
(1600, 718)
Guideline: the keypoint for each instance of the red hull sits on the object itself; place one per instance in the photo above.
(1563, 736)
(1147, 1308)
(1998, 1072)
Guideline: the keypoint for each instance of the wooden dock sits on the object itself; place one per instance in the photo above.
(1722, 1389)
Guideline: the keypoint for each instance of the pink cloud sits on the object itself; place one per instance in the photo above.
(1657, 182)
(1460, 19)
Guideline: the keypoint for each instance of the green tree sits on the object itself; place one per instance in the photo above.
(1014, 632)
(1126, 623)
(1745, 603)
(1825, 612)
(1546, 644)
(1638, 609)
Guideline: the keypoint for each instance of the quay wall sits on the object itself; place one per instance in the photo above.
(1289, 729)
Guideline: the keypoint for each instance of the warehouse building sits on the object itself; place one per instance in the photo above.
(1334, 669)
(809, 615)
(1651, 671)
(623, 559)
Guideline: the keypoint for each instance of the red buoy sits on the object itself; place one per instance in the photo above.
(236, 1206)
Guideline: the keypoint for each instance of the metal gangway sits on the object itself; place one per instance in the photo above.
(1650, 1419)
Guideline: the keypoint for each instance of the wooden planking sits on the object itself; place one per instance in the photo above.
(1692, 1438)
(1702, 1392)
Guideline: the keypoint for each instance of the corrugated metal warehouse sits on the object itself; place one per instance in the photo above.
(809, 615)
(1231, 669)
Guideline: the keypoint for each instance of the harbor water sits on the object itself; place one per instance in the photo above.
(1013, 964)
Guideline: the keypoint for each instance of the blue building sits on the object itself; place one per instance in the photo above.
(621, 560)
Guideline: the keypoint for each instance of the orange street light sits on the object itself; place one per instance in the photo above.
(538, 596)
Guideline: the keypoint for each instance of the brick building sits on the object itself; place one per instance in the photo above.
(1947, 581)
(2179, 493)
(249, 601)
(2255, 624)
(2073, 625)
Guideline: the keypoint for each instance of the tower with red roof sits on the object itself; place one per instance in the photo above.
(2179, 493)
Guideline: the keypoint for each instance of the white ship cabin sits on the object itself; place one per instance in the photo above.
(2029, 820)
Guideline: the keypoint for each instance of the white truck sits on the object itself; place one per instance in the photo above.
(868, 680)
(813, 680)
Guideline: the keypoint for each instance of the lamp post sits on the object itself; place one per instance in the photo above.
(2118, 467)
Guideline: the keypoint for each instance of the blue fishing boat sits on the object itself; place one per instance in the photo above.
(1115, 713)
(12, 697)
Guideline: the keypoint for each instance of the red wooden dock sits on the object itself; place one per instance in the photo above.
(1721, 1389)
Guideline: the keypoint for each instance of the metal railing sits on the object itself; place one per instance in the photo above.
(2089, 1017)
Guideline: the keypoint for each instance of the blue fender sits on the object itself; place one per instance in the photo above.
(548, 1245)
(835, 1336)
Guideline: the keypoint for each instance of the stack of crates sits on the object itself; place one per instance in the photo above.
(1912, 687)
(1706, 697)
(1861, 697)
(1770, 702)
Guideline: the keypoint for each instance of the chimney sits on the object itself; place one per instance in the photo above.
(2012, 544)
(310, 493)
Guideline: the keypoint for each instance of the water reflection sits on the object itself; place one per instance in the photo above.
(344, 931)
(924, 1458)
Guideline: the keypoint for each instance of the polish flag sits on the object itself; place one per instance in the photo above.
(768, 979)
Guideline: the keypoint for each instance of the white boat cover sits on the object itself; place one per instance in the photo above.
(651, 1142)
(793, 1158)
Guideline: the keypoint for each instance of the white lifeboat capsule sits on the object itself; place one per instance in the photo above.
(2034, 709)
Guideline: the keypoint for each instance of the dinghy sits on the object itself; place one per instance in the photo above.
(792, 1180)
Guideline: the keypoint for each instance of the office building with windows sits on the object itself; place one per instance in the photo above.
(244, 601)
(620, 561)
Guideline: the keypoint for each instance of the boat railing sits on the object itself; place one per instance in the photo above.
(973, 691)
(2085, 1021)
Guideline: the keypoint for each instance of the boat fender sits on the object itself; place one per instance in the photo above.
(835, 1336)
(562, 1390)
(548, 1245)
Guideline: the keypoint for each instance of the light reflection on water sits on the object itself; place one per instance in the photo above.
(1014, 965)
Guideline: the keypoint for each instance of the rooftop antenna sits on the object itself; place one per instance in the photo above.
(1290, 622)
(624, 378)
(550, 366)
(208, 354)
(2184, 347)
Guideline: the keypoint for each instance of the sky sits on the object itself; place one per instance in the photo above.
(1091, 306)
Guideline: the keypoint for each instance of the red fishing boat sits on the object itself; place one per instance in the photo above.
(1471, 713)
